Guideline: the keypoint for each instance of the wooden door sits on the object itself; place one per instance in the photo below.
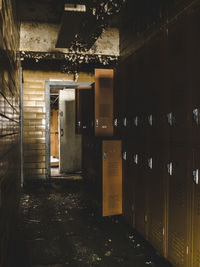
(112, 177)
(104, 102)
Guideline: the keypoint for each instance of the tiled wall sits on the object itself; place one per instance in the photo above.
(9, 125)
(34, 118)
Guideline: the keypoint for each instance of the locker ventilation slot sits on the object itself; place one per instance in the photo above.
(156, 234)
(113, 169)
(176, 249)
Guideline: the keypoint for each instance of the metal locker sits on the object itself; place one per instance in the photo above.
(181, 96)
(194, 175)
(179, 206)
(128, 181)
(140, 191)
(104, 102)
(111, 177)
(84, 110)
(156, 162)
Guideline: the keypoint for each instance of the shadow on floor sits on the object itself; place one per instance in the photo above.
(60, 225)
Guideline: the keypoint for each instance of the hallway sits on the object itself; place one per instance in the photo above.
(59, 226)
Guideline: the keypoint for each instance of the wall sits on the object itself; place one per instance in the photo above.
(70, 143)
(9, 126)
(34, 118)
(160, 102)
(42, 37)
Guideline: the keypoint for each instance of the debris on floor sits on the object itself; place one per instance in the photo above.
(60, 225)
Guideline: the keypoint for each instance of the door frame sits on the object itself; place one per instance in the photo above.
(48, 86)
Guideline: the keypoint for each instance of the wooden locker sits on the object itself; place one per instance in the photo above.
(196, 208)
(84, 110)
(104, 102)
(179, 207)
(112, 177)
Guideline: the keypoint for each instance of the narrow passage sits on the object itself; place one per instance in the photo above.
(60, 225)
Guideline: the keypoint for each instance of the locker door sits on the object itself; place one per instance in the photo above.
(179, 207)
(128, 182)
(157, 189)
(104, 102)
(140, 191)
(112, 177)
(179, 85)
(196, 208)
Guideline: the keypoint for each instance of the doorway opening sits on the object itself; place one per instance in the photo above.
(63, 145)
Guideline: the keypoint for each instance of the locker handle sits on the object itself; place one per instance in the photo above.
(124, 155)
(97, 122)
(150, 163)
(79, 123)
(170, 118)
(115, 122)
(170, 168)
(196, 116)
(105, 155)
(196, 176)
(136, 121)
(135, 158)
(125, 122)
(150, 119)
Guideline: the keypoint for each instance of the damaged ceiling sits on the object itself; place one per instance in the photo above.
(79, 29)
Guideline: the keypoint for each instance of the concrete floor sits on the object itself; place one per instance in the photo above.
(60, 225)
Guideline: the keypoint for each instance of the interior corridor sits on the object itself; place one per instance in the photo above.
(60, 224)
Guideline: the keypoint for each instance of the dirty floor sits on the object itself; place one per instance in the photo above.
(60, 225)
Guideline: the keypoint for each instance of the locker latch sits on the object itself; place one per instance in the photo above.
(135, 158)
(79, 123)
(105, 155)
(150, 163)
(84, 126)
(136, 121)
(196, 176)
(115, 122)
(150, 119)
(170, 168)
(196, 116)
(170, 118)
(124, 155)
(125, 122)
(97, 122)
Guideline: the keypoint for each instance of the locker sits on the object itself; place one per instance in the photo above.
(181, 96)
(104, 102)
(140, 191)
(128, 181)
(84, 110)
(112, 177)
(179, 206)
(156, 171)
(196, 208)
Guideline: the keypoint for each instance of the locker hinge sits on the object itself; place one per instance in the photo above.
(150, 119)
(146, 218)
(196, 176)
(196, 115)
(170, 168)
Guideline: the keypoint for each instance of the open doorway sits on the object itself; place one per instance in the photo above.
(63, 145)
